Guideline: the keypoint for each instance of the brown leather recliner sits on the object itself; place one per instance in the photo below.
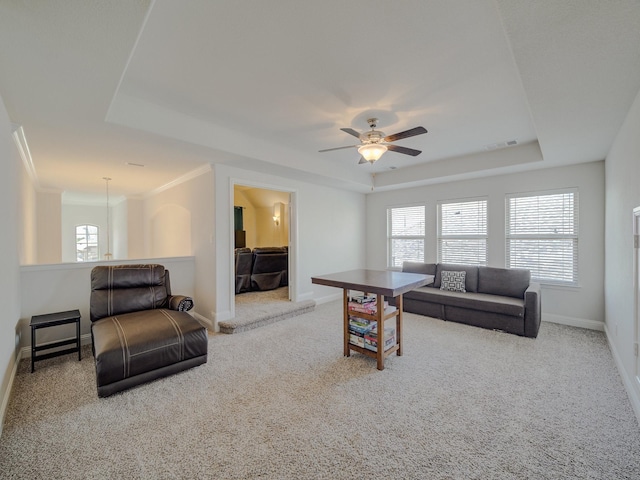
(139, 331)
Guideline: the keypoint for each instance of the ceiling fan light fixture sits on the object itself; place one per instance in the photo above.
(372, 151)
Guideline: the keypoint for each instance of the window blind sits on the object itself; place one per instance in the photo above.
(542, 235)
(405, 234)
(462, 232)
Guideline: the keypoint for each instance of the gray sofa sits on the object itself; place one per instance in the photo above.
(495, 298)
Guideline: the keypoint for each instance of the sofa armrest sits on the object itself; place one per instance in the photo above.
(180, 303)
(532, 310)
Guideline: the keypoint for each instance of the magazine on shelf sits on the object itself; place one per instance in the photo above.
(361, 325)
(361, 298)
(371, 339)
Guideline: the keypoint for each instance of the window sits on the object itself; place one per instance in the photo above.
(405, 235)
(462, 232)
(87, 243)
(542, 235)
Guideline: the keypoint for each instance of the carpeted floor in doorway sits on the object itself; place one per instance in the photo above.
(281, 402)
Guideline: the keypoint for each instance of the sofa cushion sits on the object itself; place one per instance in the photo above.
(510, 282)
(419, 267)
(471, 278)
(453, 281)
(474, 301)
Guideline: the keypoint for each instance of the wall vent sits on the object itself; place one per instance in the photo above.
(496, 146)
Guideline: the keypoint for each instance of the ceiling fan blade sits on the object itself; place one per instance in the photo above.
(362, 160)
(405, 150)
(406, 134)
(351, 131)
(337, 148)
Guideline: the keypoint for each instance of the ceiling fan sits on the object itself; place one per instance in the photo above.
(375, 143)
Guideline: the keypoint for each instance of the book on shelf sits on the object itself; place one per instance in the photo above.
(361, 325)
(370, 308)
(371, 339)
(356, 338)
(361, 298)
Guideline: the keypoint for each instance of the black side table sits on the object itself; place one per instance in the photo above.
(51, 320)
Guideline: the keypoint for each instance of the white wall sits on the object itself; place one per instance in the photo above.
(119, 234)
(49, 231)
(62, 287)
(191, 204)
(28, 220)
(330, 230)
(10, 199)
(583, 305)
(623, 195)
(135, 228)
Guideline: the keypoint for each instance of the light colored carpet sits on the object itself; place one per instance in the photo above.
(281, 402)
(257, 309)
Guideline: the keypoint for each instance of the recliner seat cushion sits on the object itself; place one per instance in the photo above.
(135, 343)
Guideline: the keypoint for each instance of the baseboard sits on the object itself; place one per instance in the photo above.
(328, 298)
(305, 296)
(573, 321)
(632, 387)
(7, 393)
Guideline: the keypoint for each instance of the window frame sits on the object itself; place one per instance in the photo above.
(440, 237)
(87, 244)
(391, 237)
(575, 236)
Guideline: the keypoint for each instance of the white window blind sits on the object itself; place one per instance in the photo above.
(462, 232)
(542, 235)
(405, 235)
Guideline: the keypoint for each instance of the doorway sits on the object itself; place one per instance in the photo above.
(262, 246)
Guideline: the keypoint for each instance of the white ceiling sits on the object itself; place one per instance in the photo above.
(264, 85)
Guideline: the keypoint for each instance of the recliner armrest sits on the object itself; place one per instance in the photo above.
(180, 303)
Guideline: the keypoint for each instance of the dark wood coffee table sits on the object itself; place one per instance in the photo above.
(383, 284)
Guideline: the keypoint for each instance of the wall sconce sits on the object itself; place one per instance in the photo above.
(277, 212)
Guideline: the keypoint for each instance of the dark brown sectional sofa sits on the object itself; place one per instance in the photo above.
(264, 268)
(495, 298)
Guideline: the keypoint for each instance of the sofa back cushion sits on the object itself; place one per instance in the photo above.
(471, 276)
(122, 289)
(419, 267)
(510, 282)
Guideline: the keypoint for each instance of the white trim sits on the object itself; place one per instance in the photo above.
(23, 149)
(131, 53)
(632, 388)
(221, 317)
(7, 393)
(573, 321)
(80, 265)
(182, 179)
(329, 298)
(305, 296)
(293, 239)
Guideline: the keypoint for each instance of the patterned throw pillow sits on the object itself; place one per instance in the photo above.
(453, 281)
